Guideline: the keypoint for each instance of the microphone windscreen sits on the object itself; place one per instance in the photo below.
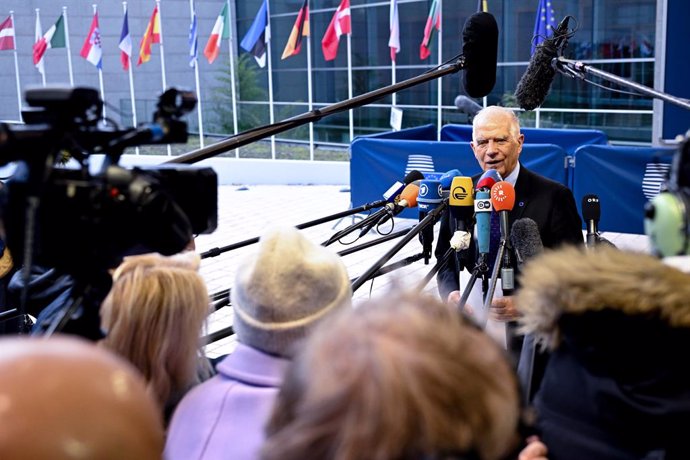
(503, 196)
(429, 195)
(467, 105)
(480, 49)
(409, 194)
(535, 83)
(488, 179)
(413, 176)
(447, 178)
(482, 208)
(591, 209)
(461, 192)
(526, 238)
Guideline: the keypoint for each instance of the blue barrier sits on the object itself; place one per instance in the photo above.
(418, 133)
(624, 178)
(568, 139)
(376, 163)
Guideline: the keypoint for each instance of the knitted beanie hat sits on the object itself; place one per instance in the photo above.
(282, 291)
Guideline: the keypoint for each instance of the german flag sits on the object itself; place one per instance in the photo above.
(299, 30)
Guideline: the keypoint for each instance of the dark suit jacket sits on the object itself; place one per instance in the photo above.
(550, 204)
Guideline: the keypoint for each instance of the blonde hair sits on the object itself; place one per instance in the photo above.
(403, 378)
(153, 317)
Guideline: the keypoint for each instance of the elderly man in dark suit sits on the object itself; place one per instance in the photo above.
(497, 143)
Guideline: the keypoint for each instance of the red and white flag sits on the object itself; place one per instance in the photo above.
(92, 50)
(340, 24)
(394, 40)
(7, 34)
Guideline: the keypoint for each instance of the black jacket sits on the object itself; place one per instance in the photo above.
(550, 204)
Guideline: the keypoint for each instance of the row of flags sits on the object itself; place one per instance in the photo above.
(253, 42)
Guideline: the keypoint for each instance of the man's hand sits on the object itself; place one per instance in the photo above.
(503, 309)
(454, 301)
(535, 450)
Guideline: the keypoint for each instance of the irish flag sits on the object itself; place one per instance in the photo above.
(53, 38)
(220, 31)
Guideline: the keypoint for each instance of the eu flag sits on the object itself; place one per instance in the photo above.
(544, 24)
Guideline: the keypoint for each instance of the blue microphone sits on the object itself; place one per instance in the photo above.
(447, 179)
(429, 198)
(482, 216)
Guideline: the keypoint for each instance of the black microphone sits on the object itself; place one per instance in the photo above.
(591, 212)
(526, 240)
(536, 81)
(480, 49)
(467, 106)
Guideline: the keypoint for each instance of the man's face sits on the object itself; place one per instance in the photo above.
(495, 144)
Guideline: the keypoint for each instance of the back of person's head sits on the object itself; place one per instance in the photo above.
(285, 289)
(63, 398)
(153, 316)
(399, 378)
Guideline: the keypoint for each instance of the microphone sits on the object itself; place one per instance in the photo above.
(482, 216)
(429, 199)
(446, 181)
(536, 81)
(503, 200)
(408, 199)
(591, 212)
(390, 195)
(488, 179)
(526, 240)
(461, 202)
(467, 105)
(480, 49)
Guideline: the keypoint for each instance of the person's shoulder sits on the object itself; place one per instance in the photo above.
(543, 181)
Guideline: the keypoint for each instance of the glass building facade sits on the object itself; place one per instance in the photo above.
(617, 36)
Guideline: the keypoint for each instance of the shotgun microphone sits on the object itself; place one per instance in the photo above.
(480, 49)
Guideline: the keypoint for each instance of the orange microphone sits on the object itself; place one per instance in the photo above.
(503, 200)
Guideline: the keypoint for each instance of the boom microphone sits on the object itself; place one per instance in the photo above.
(536, 81)
(467, 106)
(480, 49)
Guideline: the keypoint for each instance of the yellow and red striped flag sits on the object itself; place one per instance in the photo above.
(152, 35)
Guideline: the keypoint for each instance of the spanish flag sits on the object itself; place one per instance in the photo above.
(299, 30)
(152, 35)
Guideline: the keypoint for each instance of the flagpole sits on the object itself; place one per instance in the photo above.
(231, 52)
(131, 84)
(439, 86)
(100, 70)
(349, 86)
(160, 31)
(16, 69)
(39, 33)
(270, 76)
(196, 81)
(309, 88)
(69, 53)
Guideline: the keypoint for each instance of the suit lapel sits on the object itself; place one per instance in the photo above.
(522, 194)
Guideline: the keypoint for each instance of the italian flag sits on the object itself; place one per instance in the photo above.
(53, 38)
(220, 31)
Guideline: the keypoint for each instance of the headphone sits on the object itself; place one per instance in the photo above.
(667, 215)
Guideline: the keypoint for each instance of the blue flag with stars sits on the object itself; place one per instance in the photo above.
(544, 24)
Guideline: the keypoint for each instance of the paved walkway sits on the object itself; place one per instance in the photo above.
(246, 212)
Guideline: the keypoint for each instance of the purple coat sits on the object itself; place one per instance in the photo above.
(224, 417)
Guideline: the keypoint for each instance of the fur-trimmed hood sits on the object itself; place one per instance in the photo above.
(575, 281)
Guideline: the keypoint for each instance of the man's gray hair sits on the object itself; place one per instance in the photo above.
(494, 110)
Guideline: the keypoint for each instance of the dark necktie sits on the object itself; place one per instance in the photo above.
(495, 240)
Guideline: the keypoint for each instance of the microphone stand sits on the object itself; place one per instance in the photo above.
(577, 69)
(492, 283)
(218, 251)
(430, 219)
(252, 135)
(479, 268)
(435, 268)
(222, 298)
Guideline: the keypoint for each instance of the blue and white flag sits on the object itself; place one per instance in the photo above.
(193, 42)
(256, 37)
